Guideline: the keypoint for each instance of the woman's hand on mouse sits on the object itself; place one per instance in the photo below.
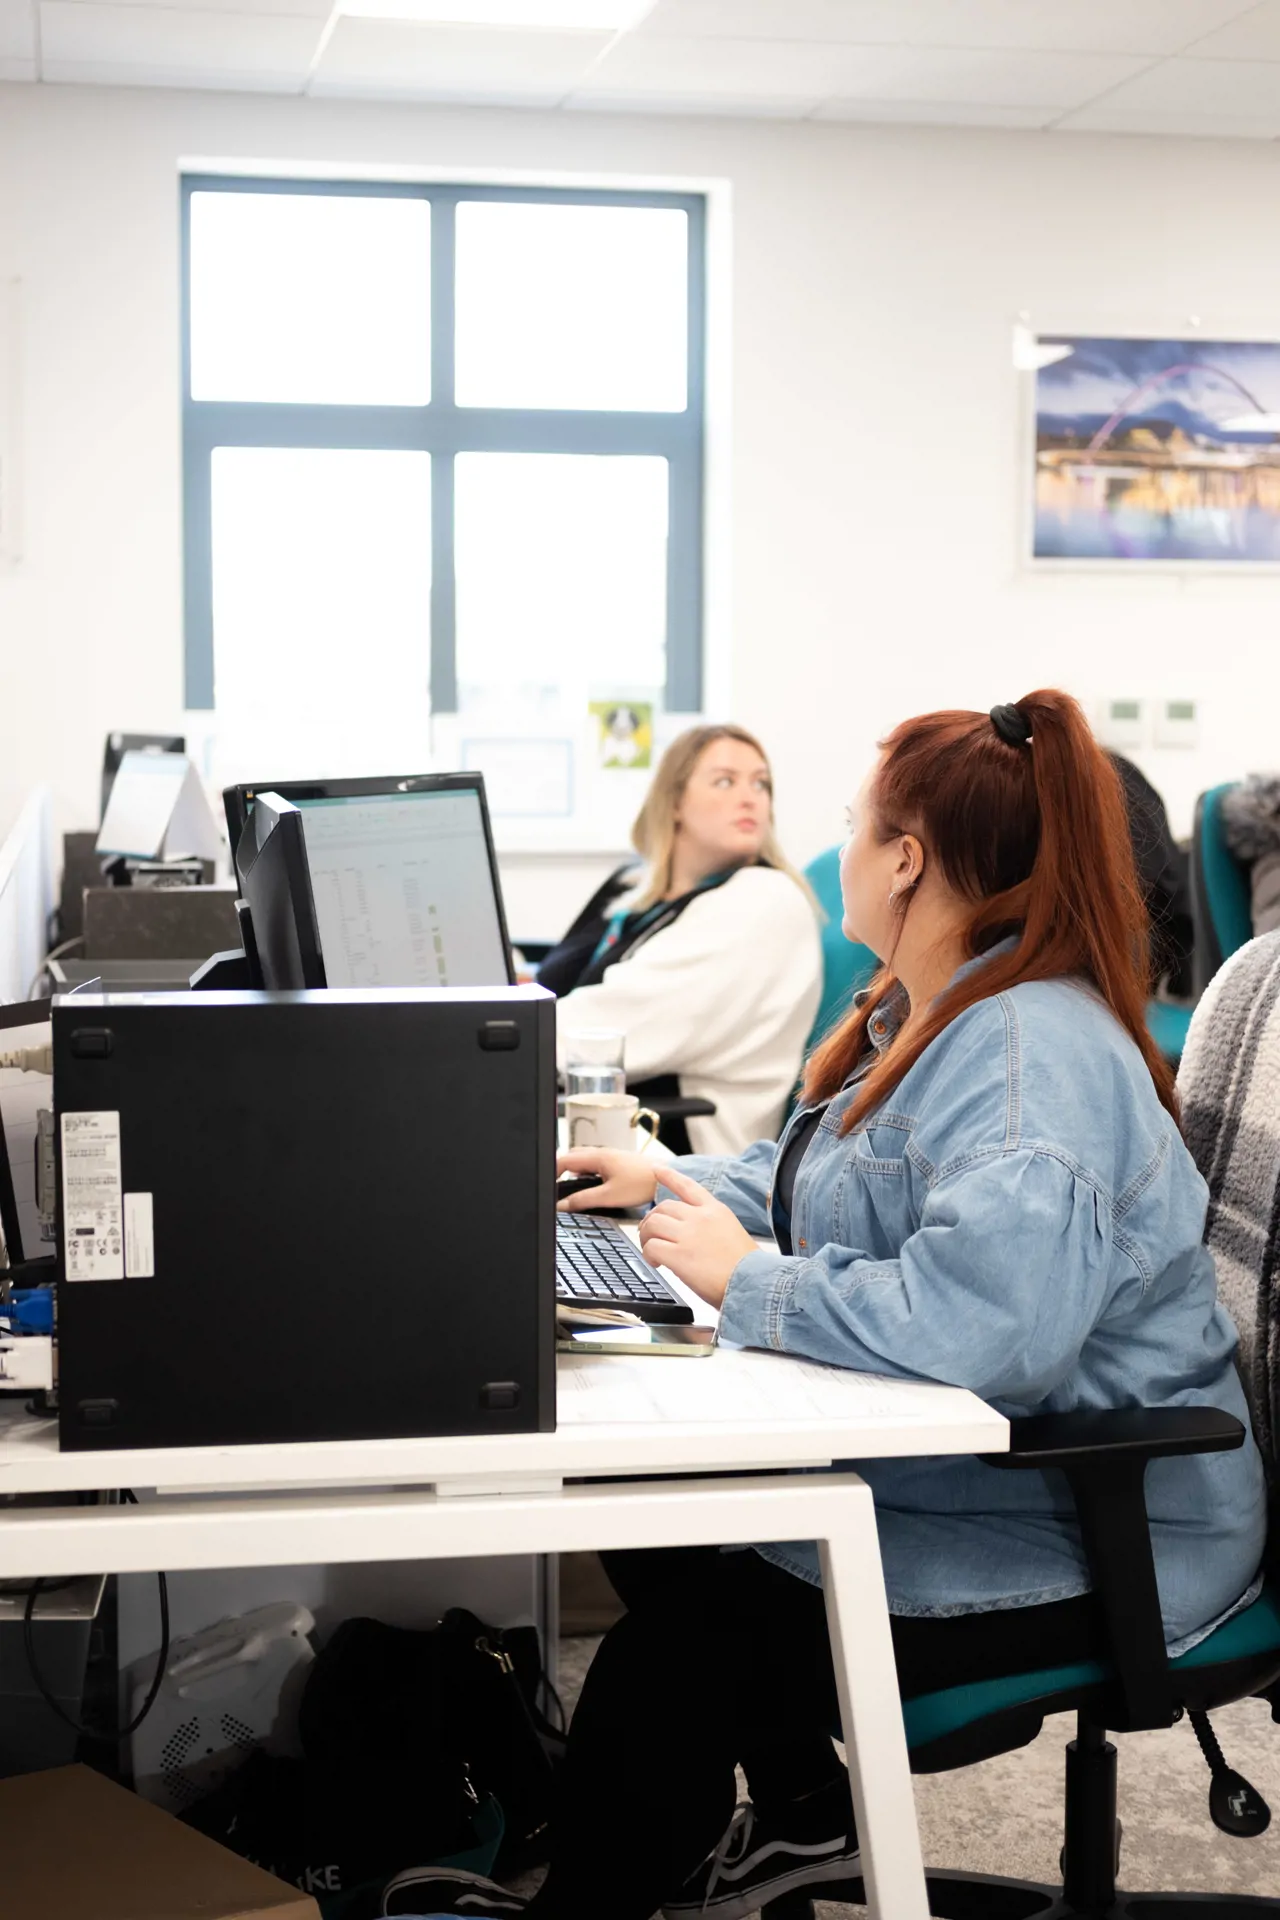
(629, 1179)
(695, 1236)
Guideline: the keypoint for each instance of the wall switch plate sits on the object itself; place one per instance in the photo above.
(1177, 723)
(1122, 722)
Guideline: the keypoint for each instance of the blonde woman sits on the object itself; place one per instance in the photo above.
(712, 966)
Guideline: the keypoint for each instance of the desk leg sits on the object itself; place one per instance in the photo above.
(871, 1714)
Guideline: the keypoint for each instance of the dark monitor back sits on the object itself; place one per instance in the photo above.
(118, 744)
(283, 946)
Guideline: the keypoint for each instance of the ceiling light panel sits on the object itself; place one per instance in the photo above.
(1084, 26)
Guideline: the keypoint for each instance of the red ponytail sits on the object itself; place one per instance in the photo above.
(1037, 837)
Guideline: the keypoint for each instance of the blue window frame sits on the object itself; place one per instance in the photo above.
(443, 429)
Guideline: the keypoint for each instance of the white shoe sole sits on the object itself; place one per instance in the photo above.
(737, 1906)
(415, 1878)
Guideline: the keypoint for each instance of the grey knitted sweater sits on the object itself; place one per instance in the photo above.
(1230, 1087)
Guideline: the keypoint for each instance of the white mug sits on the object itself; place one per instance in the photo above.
(609, 1120)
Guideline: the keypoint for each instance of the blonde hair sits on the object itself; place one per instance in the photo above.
(653, 834)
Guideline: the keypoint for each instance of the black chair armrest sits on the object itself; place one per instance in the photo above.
(1103, 1456)
(1147, 1433)
(680, 1106)
(534, 951)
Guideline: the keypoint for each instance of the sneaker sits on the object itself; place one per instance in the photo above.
(434, 1893)
(754, 1864)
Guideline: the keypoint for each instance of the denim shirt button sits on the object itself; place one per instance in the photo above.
(803, 1243)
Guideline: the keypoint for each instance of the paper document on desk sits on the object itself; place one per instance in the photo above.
(743, 1387)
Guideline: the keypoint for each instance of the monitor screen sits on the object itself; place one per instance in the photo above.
(404, 888)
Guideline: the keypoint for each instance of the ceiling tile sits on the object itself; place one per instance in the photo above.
(649, 64)
(1104, 118)
(305, 9)
(933, 113)
(1089, 26)
(407, 61)
(17, 31)
(1254, 36)
(710, 69)
(162, 46)
(1219, 88)
(710, 105)
(982, 77)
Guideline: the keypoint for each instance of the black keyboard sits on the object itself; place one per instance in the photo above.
(597, 1266)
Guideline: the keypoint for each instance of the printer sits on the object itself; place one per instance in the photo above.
(317, 1215)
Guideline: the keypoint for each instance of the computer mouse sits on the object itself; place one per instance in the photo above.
(569, 1183)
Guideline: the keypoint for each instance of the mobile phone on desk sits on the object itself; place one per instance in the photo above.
(687, 1342)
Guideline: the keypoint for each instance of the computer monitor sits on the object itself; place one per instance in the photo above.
(281, 941)
(402, 877)
(118, 744)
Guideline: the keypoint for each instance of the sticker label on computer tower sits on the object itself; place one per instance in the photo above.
(139, 1237)
(92, 1202)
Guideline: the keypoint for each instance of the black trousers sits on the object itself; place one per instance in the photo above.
(721, 1659)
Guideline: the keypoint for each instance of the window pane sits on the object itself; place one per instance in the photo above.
(562, 572)
(563, 306)
(310, 297)
(321, 611)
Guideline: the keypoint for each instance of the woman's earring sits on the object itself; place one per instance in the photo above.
(893, 894)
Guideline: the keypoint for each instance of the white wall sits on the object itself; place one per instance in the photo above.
(871, 482)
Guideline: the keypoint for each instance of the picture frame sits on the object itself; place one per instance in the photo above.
(1156, 452)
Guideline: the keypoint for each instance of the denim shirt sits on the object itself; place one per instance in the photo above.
(1021, 1218)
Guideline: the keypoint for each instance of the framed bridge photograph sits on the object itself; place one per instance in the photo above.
(1156, 450)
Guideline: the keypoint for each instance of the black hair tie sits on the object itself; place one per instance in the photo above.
(1012, 725)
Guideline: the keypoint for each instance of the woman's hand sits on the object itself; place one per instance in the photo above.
(630, 1180)
(696, 1236)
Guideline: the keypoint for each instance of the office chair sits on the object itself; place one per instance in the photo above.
(846, 966)
(1168, 1023)
(1220, 900)
(1104, 1457)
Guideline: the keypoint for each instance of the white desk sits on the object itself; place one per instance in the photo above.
(620, 1419)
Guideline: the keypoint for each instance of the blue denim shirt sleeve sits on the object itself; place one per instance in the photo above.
(968, 1301)
(742, 1183)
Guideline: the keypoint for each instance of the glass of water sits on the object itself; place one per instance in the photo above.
(594, 1062)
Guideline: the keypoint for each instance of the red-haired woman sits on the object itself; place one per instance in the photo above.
(984, 1185)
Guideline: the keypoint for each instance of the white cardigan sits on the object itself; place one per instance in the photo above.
(724, 997)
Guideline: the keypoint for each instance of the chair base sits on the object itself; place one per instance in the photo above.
(977, 1896)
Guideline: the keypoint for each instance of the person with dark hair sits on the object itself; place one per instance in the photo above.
(1164, 878)
(984, 1185)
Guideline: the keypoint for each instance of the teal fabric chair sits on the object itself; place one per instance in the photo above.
(846, 966)
(1220, 899)
(1167, 1024)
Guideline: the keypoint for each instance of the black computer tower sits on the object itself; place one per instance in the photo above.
(306, 1216)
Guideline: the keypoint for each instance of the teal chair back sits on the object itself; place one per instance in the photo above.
(1220, 900)
(846, 966)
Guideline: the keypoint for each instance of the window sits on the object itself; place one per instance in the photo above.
(443, 453)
